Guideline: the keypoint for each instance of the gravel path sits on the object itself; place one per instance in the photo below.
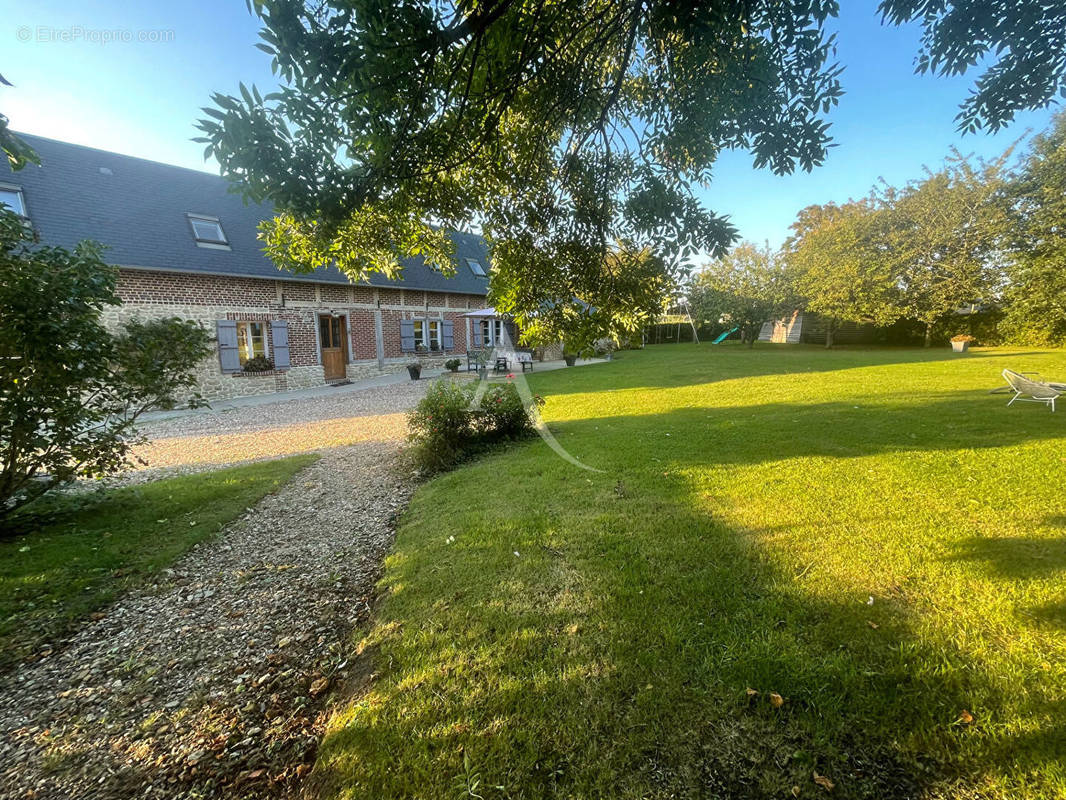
(206, 441)
(214, 682)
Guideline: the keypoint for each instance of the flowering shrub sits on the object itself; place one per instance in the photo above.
(439, 426)
(963, 337)
(502, 414)
(445, 427)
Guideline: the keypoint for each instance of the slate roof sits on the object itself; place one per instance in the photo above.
(138, 209)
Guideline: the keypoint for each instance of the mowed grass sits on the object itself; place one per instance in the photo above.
(867, 533)
(72, 554)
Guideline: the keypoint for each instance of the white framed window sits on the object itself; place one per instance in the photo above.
(475, 267)
(251, 340)
(428, 334)
(11, 196)
(492, 332)
(207, 230)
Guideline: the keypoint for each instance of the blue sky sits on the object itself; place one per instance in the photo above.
(142, 97)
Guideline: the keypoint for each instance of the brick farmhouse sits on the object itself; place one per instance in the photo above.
(186, 247)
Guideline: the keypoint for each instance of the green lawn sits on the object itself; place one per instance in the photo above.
(595, 635)
(77, 554)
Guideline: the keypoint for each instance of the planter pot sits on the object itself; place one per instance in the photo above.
(570, 360)
(414, 370)
(960, 347)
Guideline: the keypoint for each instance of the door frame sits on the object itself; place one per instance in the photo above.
(346, 352)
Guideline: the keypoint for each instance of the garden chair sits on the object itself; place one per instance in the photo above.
(475, 360)
(1029, 387)
(502, 365)
(526, 360)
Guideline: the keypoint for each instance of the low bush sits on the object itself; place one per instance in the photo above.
(447, 426)
(452, 364)
(502, 414)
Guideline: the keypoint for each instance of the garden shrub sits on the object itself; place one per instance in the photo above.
(502, 414)
(71, 390)
(446, 427)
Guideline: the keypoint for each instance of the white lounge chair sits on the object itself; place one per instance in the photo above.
(1029, 387)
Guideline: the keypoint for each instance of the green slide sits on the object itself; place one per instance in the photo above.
(725, 335)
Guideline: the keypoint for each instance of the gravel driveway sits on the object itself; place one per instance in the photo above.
(213, 682)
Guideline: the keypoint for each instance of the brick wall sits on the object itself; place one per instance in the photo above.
(333, 293)
(167, 288)
(206, 299)
(362, 335)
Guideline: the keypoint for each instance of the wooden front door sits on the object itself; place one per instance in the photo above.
(332, 333)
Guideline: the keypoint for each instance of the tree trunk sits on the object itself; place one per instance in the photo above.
(829, 334)
(751, 337)
(929, 334)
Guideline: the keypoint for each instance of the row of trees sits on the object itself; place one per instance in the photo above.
(972, 232)
(573, 133)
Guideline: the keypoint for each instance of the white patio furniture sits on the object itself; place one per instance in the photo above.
(1029, 387)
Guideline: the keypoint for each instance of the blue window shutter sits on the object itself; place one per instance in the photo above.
(476, 332)
(279, 336)
(407, 335)
(448, 332)
(228, 356)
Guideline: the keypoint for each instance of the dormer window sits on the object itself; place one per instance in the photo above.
(11, 197)
(207, 231)
(475, 267)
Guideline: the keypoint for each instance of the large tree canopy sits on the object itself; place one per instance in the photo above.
(1036, 297)
(563, 128)
(836, 268)
(743, 289)
(942, 237)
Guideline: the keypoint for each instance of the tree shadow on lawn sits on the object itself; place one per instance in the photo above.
(770, 432)
(601, 664)
(1015, 557)
(1053, 615)
(580, 656)
(709, 364)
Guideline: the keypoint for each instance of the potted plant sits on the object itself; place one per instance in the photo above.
(570, 359)
(452, 364)
(414, 369)
(258, 364)
(962, 342)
